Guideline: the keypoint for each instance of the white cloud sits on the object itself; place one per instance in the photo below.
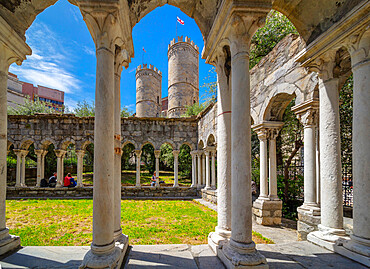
(89, 51)
(51, 63)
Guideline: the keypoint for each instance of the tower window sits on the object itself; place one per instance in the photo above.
(158, 100)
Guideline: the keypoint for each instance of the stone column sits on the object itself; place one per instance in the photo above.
(43, 163)
(204, 168)
(60, 163)
(309, 212)
(138, 161)
(23, 173)
(318, 182)
(331, 227)
(39, 153)
(208, 174)
(267, 208)
(12, 49)
(213, 170)
(358, 248)
(80, 167)
(223, 229)
(105, 27)
(157, 154)
(176, 167)
(18, 152)
(119, 61)
(199, 154)
(193, 169)
(272, 133)
(240, 251)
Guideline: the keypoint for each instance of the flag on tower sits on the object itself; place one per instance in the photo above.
(180, 21)
(144, 49)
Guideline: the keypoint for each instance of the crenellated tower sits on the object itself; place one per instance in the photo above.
(183, 76)
(148, 91)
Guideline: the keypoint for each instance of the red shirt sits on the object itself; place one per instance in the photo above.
(67, 181)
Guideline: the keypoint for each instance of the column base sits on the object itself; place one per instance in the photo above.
(8, 242)
(327, 237)
(138, 186)
(111, 259)
(207, 188)
(214, 238)
(193, 186)
(267, 212)
(175, 186)
(308, 220)
(20, 185)
(237, 255)
(357, 249)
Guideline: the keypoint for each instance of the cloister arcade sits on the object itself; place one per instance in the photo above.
(334, 35)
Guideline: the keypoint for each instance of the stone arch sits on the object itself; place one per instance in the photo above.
(150, 143)
(130, 142)
(9, 144)
(191, 146)
(66, 142)
(84, 144)
(169, 142)
(211, 141)
(276, 106)
(26, 143)
(44, 144)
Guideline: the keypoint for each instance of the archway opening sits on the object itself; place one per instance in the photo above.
(128, 164)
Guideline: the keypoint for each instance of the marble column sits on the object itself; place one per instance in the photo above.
(193, 169)
(309, 212)
(208, 174)
(157, 154)
(331, 227)
(358, 248)
(104, 25)
(80, 167)
(318, 182)
(138, 161)
(272, 133)
(223, 229)
(18, 153)
(213, 170)
(204, 168)
(23, 174)
(199, 154)
(39, 153)
(120, 60)
(60, 164)
(240, 251)
(176, 167)
(267, 209)
(43, 163)
(12, 49)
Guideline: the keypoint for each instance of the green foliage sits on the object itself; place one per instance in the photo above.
(31, 108)
(125, 112)
(265, 39)
(194, 109)
(148, 157)
(346, 117)
(84, 109)
(210, 86)
(127, 154)
(185, 161)
(167, 159)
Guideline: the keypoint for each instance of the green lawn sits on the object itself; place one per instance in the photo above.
(129, 178)
(69, 222)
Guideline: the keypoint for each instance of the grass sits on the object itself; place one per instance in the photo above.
(149, 222)
(129, 178)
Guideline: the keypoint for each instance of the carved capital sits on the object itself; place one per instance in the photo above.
(121, 59)
(272, 133)
(242, 28)
(80, 153)
(39, 153)
(157, 154)
(308, 118)
(60, 153)
(137, 153)
(325, 66)
(262, 134)
(358, 46)
(175, 153)
(103, 24)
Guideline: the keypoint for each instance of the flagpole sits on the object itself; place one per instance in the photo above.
(176, 30)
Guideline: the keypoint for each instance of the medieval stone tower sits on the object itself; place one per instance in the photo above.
(183, 76)
(148, 91)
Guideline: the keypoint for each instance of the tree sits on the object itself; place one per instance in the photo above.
(346, 117)
(265, 39)
(84, 109)
(31, 108)
(194, 109)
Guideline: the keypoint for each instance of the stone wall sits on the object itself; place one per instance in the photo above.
(62, 130)
(207, 125)
(209, 196)
(148, 91)
(183, 76)
(87, 192)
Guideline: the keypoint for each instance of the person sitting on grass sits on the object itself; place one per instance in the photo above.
(53, 180)
(69, 181)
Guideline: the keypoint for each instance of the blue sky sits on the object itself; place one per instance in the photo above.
(64, 53)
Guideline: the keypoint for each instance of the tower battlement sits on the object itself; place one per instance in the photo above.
(180, 39)
(151, 67)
